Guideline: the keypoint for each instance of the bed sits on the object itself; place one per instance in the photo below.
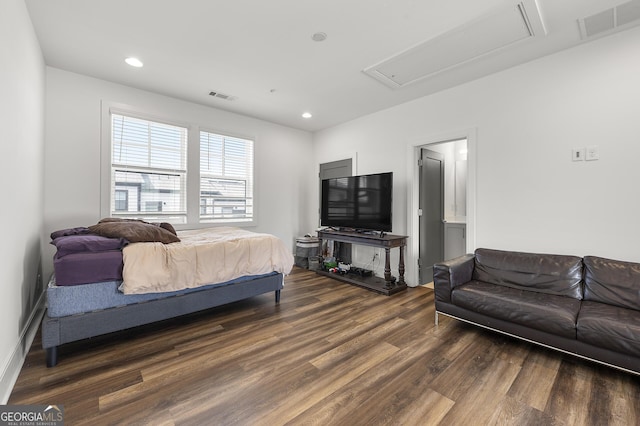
(105, 282)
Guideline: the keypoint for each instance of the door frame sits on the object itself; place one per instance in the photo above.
(413, 194)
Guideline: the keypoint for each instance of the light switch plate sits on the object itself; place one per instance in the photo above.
(577, 154)
(592, 153)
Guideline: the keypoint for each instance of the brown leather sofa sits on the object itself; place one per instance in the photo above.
(588, 307)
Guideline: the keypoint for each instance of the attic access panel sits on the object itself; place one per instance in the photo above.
(461, 45)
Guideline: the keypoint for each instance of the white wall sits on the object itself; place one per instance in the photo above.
(72, 154)
(530, 195)
(21, 162)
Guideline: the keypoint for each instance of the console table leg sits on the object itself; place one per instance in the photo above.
(387, 268)
(401, 267)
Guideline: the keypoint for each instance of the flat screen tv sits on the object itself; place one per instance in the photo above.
(362, 203)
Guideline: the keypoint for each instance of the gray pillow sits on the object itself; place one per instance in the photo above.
(134, 231)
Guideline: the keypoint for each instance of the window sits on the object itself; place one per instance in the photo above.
(172, 171)
(121, 200)
(226, 178)
(148, 169)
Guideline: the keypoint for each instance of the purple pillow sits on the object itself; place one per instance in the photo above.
(81, 230)
(87, 243)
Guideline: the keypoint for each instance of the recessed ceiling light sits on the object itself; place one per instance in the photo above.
(319, 37)
(134, 62)
(306, 115)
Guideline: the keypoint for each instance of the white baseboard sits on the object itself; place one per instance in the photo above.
(11, 370)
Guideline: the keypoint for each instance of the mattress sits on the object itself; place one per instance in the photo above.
(203, 256)
(76, 299)
(88, 267)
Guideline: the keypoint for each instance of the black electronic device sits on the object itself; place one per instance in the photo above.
(358, 202)
(361, 272)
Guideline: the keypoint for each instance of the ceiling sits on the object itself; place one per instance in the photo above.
(262, 54)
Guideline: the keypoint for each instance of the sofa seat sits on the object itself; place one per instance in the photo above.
(610, 327)
(588, 307)
(544, 312)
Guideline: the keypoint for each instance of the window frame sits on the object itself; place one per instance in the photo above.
(229, 178)
(194, 128)
(127, 169)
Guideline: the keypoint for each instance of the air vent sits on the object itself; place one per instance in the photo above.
(461, 45)
(611, 20)
(222, 96)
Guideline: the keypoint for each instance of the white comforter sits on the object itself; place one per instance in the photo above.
(204, 256)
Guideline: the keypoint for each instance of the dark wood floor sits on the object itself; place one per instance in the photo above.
(328, 354)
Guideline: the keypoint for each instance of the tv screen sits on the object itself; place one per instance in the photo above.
(358, 202)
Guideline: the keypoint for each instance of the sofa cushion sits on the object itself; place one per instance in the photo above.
(546, 312)
(612, 281)
(558, 275)
(610, 327)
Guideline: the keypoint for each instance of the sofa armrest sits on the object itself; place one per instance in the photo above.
(450, 274)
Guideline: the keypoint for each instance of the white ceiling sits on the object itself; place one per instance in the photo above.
(261, 52)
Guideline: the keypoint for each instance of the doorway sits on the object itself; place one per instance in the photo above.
(336, 169)
(442, 194)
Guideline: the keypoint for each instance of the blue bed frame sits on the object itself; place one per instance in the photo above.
(60, 330)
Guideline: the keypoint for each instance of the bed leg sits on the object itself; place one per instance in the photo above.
(277, 296)
(52, 356)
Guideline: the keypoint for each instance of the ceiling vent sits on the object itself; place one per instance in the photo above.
(222, 96)
(461, 45)
(611, 20)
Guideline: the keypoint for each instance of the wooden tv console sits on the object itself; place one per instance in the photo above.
(388, 285)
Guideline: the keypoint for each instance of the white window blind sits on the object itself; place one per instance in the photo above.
(226, 178)
(148, 169)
